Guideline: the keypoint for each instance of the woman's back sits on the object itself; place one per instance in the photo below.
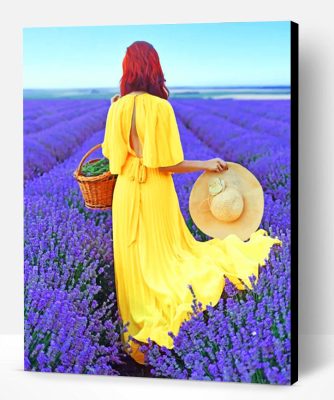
(143, 125)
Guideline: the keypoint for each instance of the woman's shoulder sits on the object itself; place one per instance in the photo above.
(162, 106)
(146, 97)
(155, 104)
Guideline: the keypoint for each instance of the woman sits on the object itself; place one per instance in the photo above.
(155, 254)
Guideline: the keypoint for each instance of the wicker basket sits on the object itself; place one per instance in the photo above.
(97, 191)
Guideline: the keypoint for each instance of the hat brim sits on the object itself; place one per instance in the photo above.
(253, 197)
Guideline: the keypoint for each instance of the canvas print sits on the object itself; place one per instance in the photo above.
(160, 200)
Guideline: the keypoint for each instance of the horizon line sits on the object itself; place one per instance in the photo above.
(170, 87)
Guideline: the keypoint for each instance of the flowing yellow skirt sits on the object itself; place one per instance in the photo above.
(156, 257)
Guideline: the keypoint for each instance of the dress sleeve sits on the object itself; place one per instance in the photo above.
(114, 144)
(163, 145)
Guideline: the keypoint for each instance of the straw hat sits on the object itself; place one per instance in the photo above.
(228, 202)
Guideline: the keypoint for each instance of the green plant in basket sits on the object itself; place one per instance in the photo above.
(95, 168)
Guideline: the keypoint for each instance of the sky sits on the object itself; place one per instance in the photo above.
(193, 54)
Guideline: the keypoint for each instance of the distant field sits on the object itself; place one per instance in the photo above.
(191, 92)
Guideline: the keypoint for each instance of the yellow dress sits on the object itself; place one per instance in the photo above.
(155, 254)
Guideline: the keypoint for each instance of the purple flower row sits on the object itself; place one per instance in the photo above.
(71, 318)
(45, 148)
(43, 114)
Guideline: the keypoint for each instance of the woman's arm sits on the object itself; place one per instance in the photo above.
(213, 165)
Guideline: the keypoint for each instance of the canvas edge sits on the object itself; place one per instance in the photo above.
(294, 137)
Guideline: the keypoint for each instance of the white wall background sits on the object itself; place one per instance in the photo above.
(316, 232)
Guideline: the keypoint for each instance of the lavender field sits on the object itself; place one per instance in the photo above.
(71, 319)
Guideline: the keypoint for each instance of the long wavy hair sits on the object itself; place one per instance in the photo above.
(142, 71)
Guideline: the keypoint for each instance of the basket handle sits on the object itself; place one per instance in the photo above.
(78, 171)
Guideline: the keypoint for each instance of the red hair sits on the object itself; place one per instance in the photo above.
(142, 71)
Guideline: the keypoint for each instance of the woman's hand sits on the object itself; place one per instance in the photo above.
(115, 98)
(215, 165)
